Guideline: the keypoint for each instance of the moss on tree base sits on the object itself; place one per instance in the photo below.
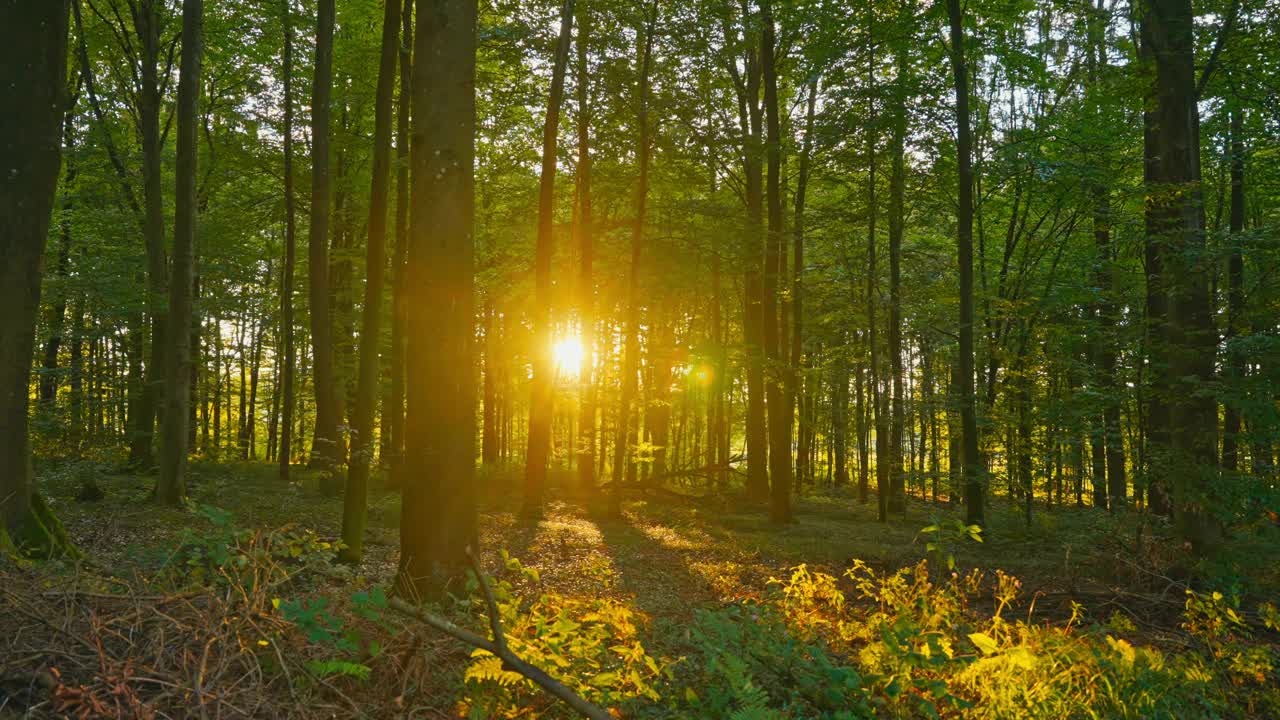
(39, 535)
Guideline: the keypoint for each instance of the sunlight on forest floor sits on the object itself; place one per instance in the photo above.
(674, 575)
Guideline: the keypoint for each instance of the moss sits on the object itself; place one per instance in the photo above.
(38, 536)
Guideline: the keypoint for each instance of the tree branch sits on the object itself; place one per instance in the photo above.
(498, 647)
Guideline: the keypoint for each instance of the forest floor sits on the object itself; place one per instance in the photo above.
(671, 554)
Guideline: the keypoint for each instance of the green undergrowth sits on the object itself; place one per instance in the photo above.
(705, 610)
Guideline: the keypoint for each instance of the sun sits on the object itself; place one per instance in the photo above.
(568, 356)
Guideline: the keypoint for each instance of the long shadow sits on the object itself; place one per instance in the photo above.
(660, 577)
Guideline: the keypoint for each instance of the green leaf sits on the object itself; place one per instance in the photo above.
(985, 643)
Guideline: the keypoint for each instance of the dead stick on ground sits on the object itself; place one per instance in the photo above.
(498, 647)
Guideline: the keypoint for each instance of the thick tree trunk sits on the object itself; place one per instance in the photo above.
(177, 390)
(354, 506)
(972, 466)
(541, 402)
(438, 514)
(33, 54)
(325, 447)
(1189, 332)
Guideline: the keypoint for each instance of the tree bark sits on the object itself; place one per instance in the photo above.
(586, 251)
(33, 54)
(1189, 332)
(631, 352)
(354, 505)
(290, 361)
(177, 390)
(780, 408)
(325, 446)
(972, 466)
(1237, 323)
(541, 403)
(438, 514)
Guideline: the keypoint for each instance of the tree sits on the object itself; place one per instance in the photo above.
(325, 450)
(437, 517)
(586, 252)
(289, 362)
(354, 509)
(33, 57)
(631, 350)
(972, 468)
(781, 409)
(1178, 206)
(173, 456)
(541, 405)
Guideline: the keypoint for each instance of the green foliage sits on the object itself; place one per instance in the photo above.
(591, 645)
(221, 552)
(743, 662)
(944, 535)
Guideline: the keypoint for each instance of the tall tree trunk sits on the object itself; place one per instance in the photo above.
(631, 352)
(799, 365)
(147, 22)
(1179, 214)
(173, 444)
(897, 192)
(972, 466)
(290, 361)
(541, 402)
(1236, 320)
(354, 505)
(586, 252)
(875, 381)
(780, 409)
(33, 55)
(1105, 340)
(57, 310)
(325, 450)
(395, 424)
(1156, 306)
(438, 514)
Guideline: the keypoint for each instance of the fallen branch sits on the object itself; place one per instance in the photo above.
(498, 646)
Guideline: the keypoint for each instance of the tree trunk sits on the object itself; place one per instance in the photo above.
(290, 361)
(324, 447)
(33, 53)
(798, 385)
(354, 507)
(173, 445)
(1236, 320)
(972, 466)
(147, 23)
(541, 402)
(897, 191)
(393, 417)
(586, 250)
(780, 409)
(631, 359)
(438, 513)
(1179, 213)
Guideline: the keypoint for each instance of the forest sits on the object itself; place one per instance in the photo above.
(724, 359)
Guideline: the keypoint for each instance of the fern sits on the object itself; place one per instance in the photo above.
(329, 668)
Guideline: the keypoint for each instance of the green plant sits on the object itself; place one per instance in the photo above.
(944, 536)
